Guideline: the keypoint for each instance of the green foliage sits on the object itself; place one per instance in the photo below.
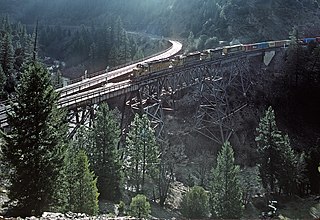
(121, 207)
(81, 190)
(6, 61)
(34, 148)
(212, 42)
(195, 204)
(3, 80)
(142, 153)
(280, 168)
(140, 207)
(250, 182)
(191, 44)
(103, 153)
(248, 19)
(201, 42)
(226, 191)
(268, 140)
(6, 55)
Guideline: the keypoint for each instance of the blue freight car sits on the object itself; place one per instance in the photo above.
(309, 40)
(262, 45)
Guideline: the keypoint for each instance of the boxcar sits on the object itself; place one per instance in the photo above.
(309, 40)
(263, 45)
(256, 46)
(282, 43)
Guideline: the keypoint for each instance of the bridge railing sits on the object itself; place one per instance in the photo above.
(93, 94)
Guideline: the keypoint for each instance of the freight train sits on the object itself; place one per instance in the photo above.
(210, 54)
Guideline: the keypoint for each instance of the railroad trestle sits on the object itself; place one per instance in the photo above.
(221, 87)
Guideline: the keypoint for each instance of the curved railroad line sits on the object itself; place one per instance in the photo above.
(102, 78)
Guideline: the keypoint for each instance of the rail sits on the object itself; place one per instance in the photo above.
(94, 93)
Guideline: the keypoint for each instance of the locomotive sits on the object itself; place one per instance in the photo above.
(210, 54)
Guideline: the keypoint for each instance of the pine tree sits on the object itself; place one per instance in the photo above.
(141, 156)
(226, 194)
(268, 140)
(6, 61)
(65, 196)
(7, 54)
(279, 166)
(104, 156)
(35, 146)
(82, 193)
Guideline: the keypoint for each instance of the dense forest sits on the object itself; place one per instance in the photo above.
(111, 169)
(248, 21)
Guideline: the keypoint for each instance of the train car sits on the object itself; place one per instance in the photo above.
(177, 60)
(192, 57)
(205, 54)
(232, 49)
(159, 65)
(282, 43)
(309, 40)
(211, 53)
(256, 46)
(140, 69)
(216, 53)
(272, 44)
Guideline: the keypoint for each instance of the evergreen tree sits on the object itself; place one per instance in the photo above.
(104, 156)
(80, 142)
(7, 54)
(6, 61)
(226, 194)
(35, 146)
(141, 156)
(82, 189)
(268, 140)
(3, 79)
(280, 168)
(195, 204)
(140, 207)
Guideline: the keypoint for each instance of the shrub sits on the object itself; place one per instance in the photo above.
(140, 207)
(195, 204)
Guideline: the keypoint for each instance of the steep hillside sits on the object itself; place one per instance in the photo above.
(247, 20)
